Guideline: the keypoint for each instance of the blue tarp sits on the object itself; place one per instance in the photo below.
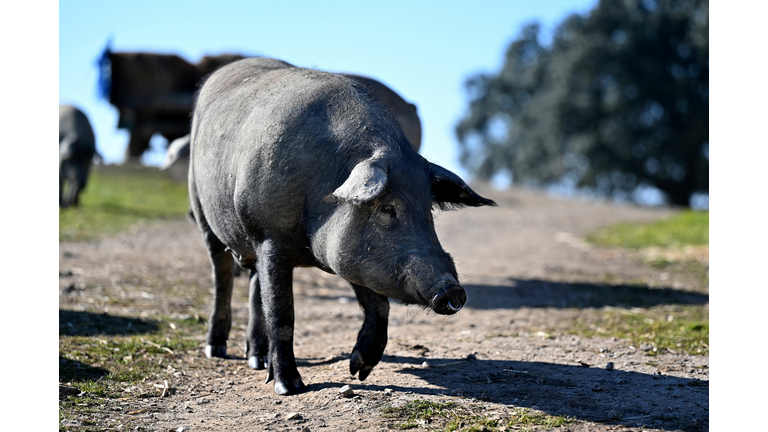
(105, 72)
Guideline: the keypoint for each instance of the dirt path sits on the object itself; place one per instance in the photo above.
(525, 268)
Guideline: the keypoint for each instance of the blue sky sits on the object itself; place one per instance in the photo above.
(424, 50)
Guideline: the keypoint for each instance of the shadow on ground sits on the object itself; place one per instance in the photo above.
(75, 371)
(540, 293)
(73, 323)
(584, 393)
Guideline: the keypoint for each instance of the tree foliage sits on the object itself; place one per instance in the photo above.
(620, 99)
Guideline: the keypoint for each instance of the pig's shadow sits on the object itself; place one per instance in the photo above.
(584, 393)
(73, 323)
(541, 293)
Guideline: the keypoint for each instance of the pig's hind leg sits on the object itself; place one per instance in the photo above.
(256, 341)
(372, 338)
(220, 320)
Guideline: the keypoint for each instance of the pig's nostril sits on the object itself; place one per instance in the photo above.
(449, 300)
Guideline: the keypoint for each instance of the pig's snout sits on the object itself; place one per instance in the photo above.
(449, 299)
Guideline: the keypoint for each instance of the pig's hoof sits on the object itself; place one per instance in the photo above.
(216, 351)
(364, 372)
(255, 362)
(357, 364)
(285, 388)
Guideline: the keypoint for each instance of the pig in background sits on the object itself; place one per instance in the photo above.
(293, 167)
(77, 148)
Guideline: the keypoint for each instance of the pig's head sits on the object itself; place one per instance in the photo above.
(381, 234)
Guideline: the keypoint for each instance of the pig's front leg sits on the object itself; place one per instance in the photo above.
(256, 341)
(372, 338)
(275, 277)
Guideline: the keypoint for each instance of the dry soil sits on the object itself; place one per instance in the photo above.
(525, 267)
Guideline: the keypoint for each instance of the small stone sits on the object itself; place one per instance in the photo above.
(484, 397)
(346, 391)
(458, 392)
(471, 357)
(614, 415)
(388, 391)
(597, 388)
(609, 366)
(294, 416)
(278, 402)
(646, 347)
(425, 365)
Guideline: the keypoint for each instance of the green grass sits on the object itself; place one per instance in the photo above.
(109, 366)
(118, 197)
(417, 412)
(523, 418)
(685, 228)
(664, 328)
(449, 417)
(122, 358)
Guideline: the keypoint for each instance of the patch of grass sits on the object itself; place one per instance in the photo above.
(672, 328)
(123, 359)
(523, 418)
(417, 412)
(472, 423)
(118, 197)
(449, 417)
(107, 363)
(695, 271)
(685, 228)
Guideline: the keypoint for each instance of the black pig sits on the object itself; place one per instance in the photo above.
(294, 167)
(77, 148)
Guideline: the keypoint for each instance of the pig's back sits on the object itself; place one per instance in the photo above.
(269, 141)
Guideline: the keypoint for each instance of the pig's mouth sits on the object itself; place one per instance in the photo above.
(450, 297)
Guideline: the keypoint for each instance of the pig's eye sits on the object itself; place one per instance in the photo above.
(389, 209)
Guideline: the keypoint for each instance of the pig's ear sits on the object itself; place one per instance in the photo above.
(449, 191)
(366, 181)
